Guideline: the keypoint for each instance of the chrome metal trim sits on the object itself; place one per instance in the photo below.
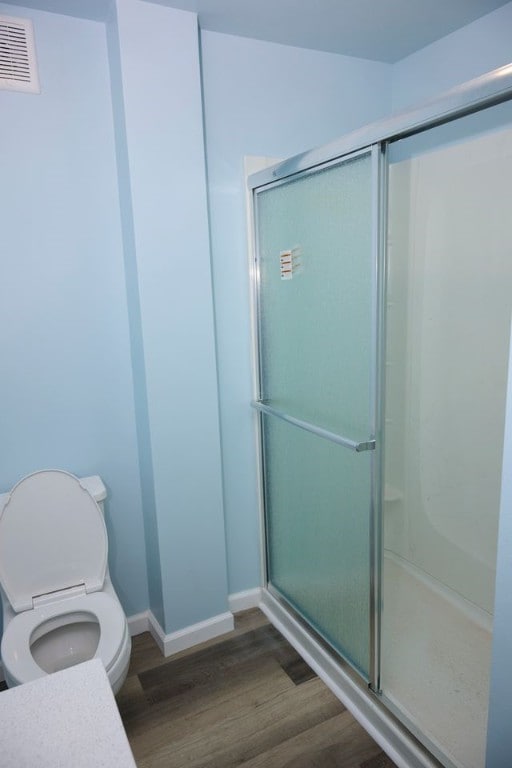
(484, 91)
(375, 278)
(327, 163)
(258, 385)
(368, 445)
(257, 290)
(378, 394)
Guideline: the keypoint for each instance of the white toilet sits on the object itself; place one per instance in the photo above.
(59, 605)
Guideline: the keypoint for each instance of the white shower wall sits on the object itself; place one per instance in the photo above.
(449, 308)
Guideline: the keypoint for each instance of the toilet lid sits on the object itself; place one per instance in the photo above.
(52, 536)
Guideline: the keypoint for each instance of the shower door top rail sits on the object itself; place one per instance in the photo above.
(484, 91)
(353, 445)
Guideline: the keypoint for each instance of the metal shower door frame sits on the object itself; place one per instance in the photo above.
(378, 170)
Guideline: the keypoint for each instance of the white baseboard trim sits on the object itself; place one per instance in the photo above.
(242, 601)
(192, 635)
(138, 623)
(392, 737)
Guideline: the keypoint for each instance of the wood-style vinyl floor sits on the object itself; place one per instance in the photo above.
(245, 699)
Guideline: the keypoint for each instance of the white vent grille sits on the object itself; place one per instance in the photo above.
(18, 71)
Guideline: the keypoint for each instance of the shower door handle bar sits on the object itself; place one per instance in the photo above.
(369, 445)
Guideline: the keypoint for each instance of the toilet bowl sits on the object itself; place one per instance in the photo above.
(59, 605)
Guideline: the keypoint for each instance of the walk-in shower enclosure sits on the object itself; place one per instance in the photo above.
(383, 301)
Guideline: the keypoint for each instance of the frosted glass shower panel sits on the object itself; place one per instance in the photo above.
(315, 266)
(317, 502)
(315, 308)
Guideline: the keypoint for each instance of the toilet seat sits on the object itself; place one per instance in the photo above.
(16, 641)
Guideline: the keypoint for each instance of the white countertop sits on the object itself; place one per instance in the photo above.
(65, 720)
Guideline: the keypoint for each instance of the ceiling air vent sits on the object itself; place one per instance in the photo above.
(18, 71)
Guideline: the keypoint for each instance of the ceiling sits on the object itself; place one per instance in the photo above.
(383, 30)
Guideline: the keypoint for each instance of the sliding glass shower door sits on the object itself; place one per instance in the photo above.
(449, 307)
(316, 267)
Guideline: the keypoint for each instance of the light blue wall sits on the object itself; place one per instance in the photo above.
(160, 80)
(66, 386)
(271, 100)
(467, 53)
